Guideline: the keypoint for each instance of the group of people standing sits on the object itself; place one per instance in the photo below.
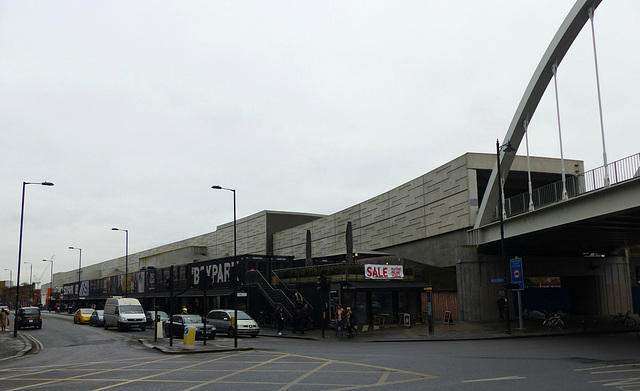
(299, 321)
(345, 321)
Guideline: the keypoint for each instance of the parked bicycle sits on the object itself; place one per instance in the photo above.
(554, 322)
(624, 321)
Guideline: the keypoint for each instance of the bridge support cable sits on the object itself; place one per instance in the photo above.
(607, 182)
(554, 70)
(526, 135)
(560, 44)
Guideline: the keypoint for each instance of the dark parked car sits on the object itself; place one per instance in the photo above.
(97, 318)
(29, 317)
(150, 314)
(181, 321)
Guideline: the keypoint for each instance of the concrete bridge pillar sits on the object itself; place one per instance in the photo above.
(616, 283)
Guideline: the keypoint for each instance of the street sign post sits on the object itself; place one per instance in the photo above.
(517, 277)
(517, 281)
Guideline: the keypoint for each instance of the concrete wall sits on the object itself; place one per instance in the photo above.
(434, 204)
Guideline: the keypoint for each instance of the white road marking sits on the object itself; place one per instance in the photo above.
(496, 379)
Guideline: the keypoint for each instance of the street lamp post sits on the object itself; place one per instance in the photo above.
(10, 276)
(126, 260)
(235, 267)
(79, 270)
(24, 185)
(506, 148)
(50, 283)
(30, 283)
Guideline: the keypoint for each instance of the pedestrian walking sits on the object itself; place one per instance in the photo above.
(350, 322)
(339, 316)
(279, 316)
(500, 303)
(297, 321)
(4, 319)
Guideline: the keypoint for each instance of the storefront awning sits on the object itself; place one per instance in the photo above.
(387, 285)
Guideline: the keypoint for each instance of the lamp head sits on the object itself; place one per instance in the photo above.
(217, 187)
(47, 183)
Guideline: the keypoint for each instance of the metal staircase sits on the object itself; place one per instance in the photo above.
(273, 295)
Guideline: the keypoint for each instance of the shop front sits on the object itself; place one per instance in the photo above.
(381, 303)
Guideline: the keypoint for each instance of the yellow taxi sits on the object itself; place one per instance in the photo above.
(82, 315)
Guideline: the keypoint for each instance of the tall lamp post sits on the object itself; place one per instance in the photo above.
(24, 185)
(79, 270)
(51, 283)
(506, 148)
(10, 276)
(235, 267)
(126, 260)
(30, 283)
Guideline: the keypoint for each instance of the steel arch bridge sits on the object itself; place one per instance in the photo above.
(558, 48)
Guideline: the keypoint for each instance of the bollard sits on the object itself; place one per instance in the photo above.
(189, 337)
(158, 330)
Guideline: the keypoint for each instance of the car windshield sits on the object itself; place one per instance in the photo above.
(192, 319)
(31, 311)
(86, 311)
(243, 316)
(161, 314)
(99, 312)
(131, 309)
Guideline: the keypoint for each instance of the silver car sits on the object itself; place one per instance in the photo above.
(222, 320)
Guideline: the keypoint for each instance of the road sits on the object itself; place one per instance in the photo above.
(79, 357)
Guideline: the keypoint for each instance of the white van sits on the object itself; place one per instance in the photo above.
(124, 313)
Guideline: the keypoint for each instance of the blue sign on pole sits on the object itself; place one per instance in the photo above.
(517, 276)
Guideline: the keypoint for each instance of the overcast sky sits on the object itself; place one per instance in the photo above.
(134, 109)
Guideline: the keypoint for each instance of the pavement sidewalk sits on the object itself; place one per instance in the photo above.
(11, 347)
(458, 331)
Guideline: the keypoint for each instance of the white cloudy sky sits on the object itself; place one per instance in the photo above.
(134, 109)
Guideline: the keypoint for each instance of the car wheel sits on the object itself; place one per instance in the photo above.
(105, 326)
(39, 326)
(74, 320)
(143, 327)
(254, 335)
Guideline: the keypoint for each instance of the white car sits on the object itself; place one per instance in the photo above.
(222, 320)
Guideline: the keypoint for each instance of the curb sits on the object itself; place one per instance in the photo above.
(28, 346)
(177, 350)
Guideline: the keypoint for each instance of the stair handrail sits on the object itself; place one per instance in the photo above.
(263, 284)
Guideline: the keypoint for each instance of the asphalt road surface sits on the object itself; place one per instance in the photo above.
(79, 357)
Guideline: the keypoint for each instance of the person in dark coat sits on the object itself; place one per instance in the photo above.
(298, 319)
(500, 303)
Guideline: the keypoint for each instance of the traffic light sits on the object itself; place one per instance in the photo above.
(323, 282)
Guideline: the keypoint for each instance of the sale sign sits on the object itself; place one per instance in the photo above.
(378, 272)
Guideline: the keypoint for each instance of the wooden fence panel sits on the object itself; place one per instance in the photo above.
(441, 302)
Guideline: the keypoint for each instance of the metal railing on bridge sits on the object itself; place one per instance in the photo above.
(619, 171)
